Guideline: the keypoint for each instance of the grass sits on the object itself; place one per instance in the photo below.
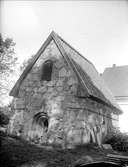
(16, 152)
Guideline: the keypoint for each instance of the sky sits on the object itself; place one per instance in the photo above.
(97, 29)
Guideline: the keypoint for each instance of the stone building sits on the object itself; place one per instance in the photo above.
(60, 98)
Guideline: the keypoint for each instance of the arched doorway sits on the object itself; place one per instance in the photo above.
(41, 119)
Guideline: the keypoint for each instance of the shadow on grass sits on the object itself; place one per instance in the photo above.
(16, 152)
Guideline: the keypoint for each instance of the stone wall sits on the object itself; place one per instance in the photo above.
(72, 120)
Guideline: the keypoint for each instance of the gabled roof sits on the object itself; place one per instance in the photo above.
(116, 78)
(88, 76)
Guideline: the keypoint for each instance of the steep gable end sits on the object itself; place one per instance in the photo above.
(85, 71)
(40, 58)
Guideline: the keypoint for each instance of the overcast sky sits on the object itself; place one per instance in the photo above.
(97, 29)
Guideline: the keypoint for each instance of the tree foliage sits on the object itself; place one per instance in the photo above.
(7, 63)
(4, 119)
(7, 59)
(26, 62)
(118, 140)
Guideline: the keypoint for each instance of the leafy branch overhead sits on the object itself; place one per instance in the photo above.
(7, 59)
(8, 62)
(26, 62)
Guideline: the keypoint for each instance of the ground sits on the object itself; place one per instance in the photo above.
(16, 152)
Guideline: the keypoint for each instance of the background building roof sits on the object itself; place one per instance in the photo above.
(116, 78)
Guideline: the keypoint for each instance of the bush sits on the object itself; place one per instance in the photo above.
(4, 120)
(118, 141)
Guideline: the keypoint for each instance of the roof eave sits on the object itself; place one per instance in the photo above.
(117, 110)
(15, 90)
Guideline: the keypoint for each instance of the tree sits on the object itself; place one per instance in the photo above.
(7, 64)
(4, 119)
(26, 62)
(7, 59)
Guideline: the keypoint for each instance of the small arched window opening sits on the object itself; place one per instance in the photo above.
(41, 119)
(47, 70)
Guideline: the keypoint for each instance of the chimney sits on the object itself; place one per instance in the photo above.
(114, 65)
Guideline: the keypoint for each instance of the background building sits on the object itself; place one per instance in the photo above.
(116, 78)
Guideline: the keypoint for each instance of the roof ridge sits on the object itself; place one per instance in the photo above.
(121, 66)
(75, 51)
(71, 64)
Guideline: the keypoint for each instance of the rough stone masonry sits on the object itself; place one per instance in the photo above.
(48, 108)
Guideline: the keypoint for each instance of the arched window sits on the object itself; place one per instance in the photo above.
(41, 119)
(47, 70)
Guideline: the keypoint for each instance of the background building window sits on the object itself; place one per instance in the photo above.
(47, 70)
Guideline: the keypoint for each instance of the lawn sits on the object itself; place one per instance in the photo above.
(16, 152)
